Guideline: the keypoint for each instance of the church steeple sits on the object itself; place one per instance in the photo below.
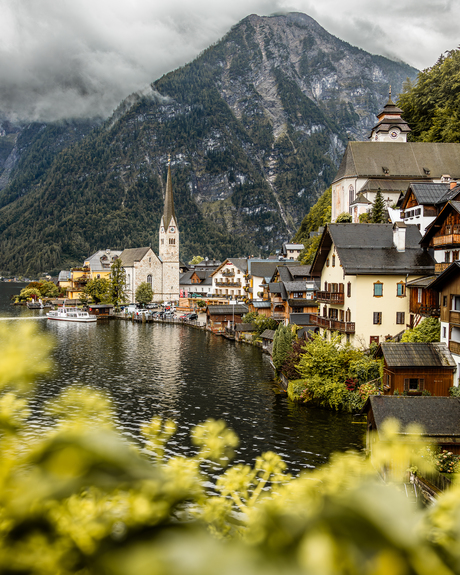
(391, 127)
(169, 200)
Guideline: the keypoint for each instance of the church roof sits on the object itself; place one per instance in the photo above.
(130, 256)
(397, 160)
(384, 185)
(169, 213)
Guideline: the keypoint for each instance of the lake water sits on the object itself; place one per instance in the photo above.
(188, 375)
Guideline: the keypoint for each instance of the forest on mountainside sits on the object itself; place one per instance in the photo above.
(431, 105)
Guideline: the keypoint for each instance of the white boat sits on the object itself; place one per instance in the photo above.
(66, 314)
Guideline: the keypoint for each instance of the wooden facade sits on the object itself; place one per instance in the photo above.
(414, 381)
(423, 301)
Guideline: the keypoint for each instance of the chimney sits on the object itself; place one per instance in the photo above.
(399, 236)
(453, 183)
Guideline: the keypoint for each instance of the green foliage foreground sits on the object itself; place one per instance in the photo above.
(79, 499)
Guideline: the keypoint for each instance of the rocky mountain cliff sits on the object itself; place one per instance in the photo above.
(255, 126)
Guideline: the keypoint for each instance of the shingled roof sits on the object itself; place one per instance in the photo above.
(369, 249)
(130, 256)
(411, 160)
(411, 354)
(227, 309)
(438, 416)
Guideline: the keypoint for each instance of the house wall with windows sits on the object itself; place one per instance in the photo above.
(365, 308)
(229, 279)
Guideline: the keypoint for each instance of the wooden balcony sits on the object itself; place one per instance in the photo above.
(229, 273)
(454, 347)
(300, 301)
(454, 317)
(278, 316)
(228, 284)
(438, 268)
(330, 297)
(333, 324)
(446, 240)
(429, 311)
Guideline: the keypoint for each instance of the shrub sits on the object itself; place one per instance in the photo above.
(428, 330)
(295, 389)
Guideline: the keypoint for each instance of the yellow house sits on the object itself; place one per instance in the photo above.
(364, 269)
(79, 277)
(101, 262)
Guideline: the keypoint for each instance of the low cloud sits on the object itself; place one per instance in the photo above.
(81, 59)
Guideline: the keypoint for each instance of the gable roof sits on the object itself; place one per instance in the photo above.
(369, 249)
(239, 263)
(427, 193)
(413, 160)
(439, 416)
(130, 256)
(263, 269)
(435, 225)
(410, 354)
(451, 272)
(227, 309)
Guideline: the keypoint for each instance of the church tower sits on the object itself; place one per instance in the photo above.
(391, 127)
(169, 244)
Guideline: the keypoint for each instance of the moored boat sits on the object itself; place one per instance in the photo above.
(67, 314)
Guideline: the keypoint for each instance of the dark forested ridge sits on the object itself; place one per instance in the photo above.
(255, 127)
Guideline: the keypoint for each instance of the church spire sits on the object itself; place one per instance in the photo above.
(169, 213)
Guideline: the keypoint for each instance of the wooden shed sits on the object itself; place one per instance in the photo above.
(414, 368)
(218, 317)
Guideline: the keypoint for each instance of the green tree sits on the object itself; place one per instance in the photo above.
(428, 330)
(378, 209)
(282, 344)
(26, 293)
(98, 289)
(365, 218)
(49, 289)
(117, 289)
(344, 218)
(144, 293)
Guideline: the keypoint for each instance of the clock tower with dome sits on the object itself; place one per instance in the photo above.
(391, 127)
(169, 244)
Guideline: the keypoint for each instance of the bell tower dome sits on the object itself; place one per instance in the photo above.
(391, 127)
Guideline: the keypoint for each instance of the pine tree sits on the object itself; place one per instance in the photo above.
(378, 209)
(117, 292)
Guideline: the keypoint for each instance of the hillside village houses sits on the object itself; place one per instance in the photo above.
(389, 163)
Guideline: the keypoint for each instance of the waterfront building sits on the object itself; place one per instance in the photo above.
(231, 278)
(363, 271)
(100, 263)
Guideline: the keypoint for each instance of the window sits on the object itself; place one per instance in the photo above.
(149, 280)
(400, 289)
(162, 242)
(342, 314)
(448, 230)
(172, 241)
(351, 195)
(348, 315)
(444, 301)
(455, 255)
(324, 311)
(378, 289)
(333, 261)
(400, 317)
(374, 339)
(327, 262)
(414, 384)
(444, 332)
(419, 295)
(349, 289)
(333, 313)
(377, 317)
(447, 257)
(325, 286)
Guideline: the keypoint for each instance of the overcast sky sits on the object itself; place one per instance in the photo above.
(80, 58)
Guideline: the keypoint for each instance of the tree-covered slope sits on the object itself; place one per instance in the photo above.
(432, 104)
(255, 127)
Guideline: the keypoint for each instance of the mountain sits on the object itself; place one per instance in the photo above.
(255, 126)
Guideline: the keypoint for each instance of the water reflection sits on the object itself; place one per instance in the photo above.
(178, 372)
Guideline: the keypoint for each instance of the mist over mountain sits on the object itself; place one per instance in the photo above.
(255, 126)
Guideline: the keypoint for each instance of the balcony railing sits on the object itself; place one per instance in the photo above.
(229, 273)
(454, 317)
(454, 347)
(276, 315)
(228, 284)
(330, 297)
(430, 310)
(438, 268)
(446, 240)
(301, 302)
(333, 324)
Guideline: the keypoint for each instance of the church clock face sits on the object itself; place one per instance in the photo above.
(394, 134)
(172, 229)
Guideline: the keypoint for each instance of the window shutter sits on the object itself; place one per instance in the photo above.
(340, 288)
(421, 384)
(406, 384)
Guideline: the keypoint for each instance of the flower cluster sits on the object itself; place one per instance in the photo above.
(351, 384)
(446, 461)
(367, 389)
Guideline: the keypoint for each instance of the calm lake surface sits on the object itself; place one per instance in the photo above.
(188, 375)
